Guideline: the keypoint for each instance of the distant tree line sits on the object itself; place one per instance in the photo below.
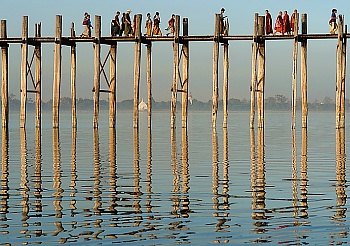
(278, 102)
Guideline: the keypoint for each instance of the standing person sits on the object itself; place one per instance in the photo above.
(87, 26)
(171, 25)
(122, 25)
(286, 23)
(148, 25)
(268, 19)
(222, 21)
(333, 21)
(127, 24)
(279, 24)
(156, 22)
(115, 27)
(292, 20)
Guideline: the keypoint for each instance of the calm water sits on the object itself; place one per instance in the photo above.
(232, 186)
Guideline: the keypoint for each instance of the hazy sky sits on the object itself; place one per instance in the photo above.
(321, 53)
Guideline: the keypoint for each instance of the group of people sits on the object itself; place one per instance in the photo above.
(283, 24)
(127, 27)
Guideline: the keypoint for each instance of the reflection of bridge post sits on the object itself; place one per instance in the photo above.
(112, 167)
(24, 177)
(340, 176)
(303, 175)
(294, 174)
(258, 180)
(57, 179)
(149, 171)
(225, 172)
(215, 173)
(175, 171)
(137, 192)
(97, 174)
(38, 160)
(4, 175)
(185, 174)
(221, 208)
(73, 171)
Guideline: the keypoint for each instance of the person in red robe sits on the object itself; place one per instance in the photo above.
(292, 20)
(286, 23)
(279, 24)
(268, 25)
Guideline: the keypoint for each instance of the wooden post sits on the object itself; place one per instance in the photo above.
(73, 77)
(5, 79)
(342, 85)
(149, 84)
(185, 72)
(57, 73)
(295, 70)
(215, 70)
(137, 60)
(176, 72)
(261, 72)
(97, 78)
(225, 85)
(113, 86)
(24, 47)
(254, 76)
(303, 70)
(340, 75)
(37, 51)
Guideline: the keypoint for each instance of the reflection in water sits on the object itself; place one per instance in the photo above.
(149, 171)
(74, 175)
(57, 173)
(24, 180)
(137, 189)
(185, 175)
(97, 175)
(178, 211)
(303, 175)
(340, 175)
(112, 169)
(221, 207)
(258, 182)
(38, 180)
(294, 175)
(4, 179)
(176, 179)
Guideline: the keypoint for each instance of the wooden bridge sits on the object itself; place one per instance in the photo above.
(180, 76)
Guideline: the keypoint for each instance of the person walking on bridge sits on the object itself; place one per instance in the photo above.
(156, 23)
(333, 21)
(87, 26)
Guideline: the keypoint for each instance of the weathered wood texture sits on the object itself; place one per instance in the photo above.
(295, 70)
(37, 82)
(303, 70)
(149, 85)
(176, 74)
(185, 74)
(215, 96)
(112, 86)
(4, 78)
(73, 78)
(137, 61)
(57, 73)
(261, 73)
(24, 48)
(340, 75)
(97, 71)
(254, 75)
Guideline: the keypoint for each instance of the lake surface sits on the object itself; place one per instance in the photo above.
(158, 187)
